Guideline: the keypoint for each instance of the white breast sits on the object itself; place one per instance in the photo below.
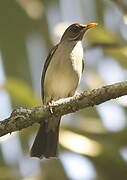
(77, 56)
(64, 72)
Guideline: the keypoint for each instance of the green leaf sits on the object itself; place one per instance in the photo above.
(119, 54)
(101, 35)
(21, 93)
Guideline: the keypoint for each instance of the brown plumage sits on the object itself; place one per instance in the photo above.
(60, 77)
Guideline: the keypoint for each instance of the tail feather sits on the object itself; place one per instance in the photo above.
(46, 142)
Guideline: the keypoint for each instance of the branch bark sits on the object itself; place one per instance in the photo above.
(22, 118)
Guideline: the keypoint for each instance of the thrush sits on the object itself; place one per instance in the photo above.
(60, 77)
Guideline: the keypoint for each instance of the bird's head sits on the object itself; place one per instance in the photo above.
(75, 32)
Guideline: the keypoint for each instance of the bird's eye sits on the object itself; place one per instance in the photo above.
(73, 32)
(76, 29)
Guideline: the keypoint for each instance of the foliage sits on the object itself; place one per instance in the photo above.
(19, 24)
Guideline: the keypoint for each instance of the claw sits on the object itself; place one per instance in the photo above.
(52, 103)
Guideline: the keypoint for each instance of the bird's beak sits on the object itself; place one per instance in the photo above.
(88, 26)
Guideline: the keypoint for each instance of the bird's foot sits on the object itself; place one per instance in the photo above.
(52, 103)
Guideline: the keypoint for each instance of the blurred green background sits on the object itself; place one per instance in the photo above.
(93, 142)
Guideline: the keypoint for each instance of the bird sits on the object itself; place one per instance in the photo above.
(60, 77)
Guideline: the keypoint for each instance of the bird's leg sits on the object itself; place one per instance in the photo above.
(52, 103)
(53, 120)
(50, 108)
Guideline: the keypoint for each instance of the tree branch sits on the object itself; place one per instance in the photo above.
(107, 45)
(22, 118)
(121, 4)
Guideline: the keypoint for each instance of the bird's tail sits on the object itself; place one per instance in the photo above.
(46, 142)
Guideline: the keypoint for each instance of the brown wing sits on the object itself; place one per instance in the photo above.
(83, 66)
(48, 59)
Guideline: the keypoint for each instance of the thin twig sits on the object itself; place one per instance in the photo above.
(121, 4)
